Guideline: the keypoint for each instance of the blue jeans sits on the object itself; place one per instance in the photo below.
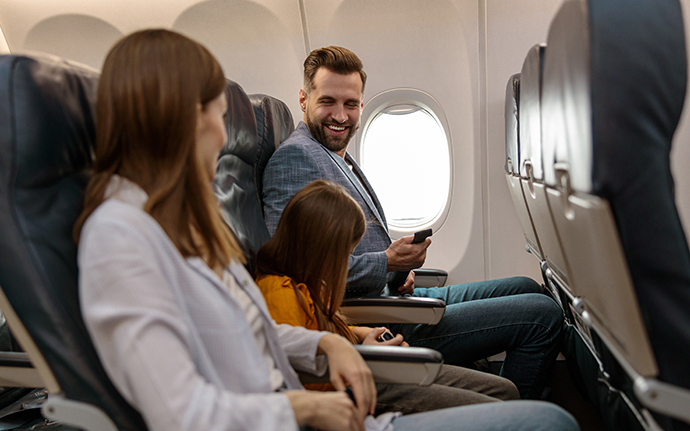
(511, 415)
(489, 317)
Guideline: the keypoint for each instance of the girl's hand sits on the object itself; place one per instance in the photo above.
(371, 339)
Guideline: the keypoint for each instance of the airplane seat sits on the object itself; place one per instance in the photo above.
(512, 167)
(534, 157)
(274, 125)
(612, 98)
(47, 132)
(236, 184)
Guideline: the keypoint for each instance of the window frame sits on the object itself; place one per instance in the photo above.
(409, 97)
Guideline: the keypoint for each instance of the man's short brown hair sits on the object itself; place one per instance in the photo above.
(334, 58)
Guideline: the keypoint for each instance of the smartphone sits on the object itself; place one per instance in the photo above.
(385, 336)
(421, 235)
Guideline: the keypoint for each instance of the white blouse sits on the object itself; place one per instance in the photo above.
(173, 338)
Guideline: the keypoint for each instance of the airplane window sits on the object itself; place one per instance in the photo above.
(404, 151)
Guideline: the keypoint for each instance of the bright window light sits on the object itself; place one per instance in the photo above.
(405, 156)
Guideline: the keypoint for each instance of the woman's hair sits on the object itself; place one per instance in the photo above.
(149, 93)
(315, 235)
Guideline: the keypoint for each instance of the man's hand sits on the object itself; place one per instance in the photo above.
(346, 366)
(405, 256)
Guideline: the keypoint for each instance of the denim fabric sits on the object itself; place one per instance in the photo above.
(489, 317)
(511, 415)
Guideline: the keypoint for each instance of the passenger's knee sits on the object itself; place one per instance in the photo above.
(539, 416)
(553, 417)
(508, 390)
(528, 285)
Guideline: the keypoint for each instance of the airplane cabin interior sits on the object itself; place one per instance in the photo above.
(547, 139)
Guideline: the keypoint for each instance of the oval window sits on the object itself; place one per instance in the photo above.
(404, 152)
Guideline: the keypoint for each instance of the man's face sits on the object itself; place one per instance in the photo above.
(333, 107)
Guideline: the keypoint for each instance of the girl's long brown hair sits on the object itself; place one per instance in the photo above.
(149, 91)
(316, 233)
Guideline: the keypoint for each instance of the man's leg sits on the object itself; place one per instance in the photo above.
(454, 386)
(527, 326)
(511, 415)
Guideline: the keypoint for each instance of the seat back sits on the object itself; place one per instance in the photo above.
(512, 166)
(257, 124)
(534, 155)
(612, 99)
(46, 146)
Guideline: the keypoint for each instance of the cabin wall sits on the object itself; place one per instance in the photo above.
(461, 52)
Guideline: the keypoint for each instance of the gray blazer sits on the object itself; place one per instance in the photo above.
(300, 160)
(172, 338)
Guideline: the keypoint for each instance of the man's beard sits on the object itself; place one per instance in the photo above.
(333, 143)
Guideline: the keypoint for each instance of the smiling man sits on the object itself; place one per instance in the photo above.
(482, 318)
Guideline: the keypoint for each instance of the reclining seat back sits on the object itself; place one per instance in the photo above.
(612, 99)
(274, 125)
(512, 165)
(255, 126)
(47, 134)
(533, 153)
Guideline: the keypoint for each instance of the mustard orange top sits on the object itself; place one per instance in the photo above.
(285, 308)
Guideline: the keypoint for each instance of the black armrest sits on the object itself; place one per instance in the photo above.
(17, 371)
(393, 309)
(393, 364)
(427, 277)
(15, 359)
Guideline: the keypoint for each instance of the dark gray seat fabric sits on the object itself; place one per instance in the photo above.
(259, 123)
(46, 145)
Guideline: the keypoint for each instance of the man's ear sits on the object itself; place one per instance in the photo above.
(303, 100)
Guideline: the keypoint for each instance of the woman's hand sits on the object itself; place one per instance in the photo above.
(325, 410)
(346, 366)
(374, 333)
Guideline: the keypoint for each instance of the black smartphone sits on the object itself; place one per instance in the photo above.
(421, 235)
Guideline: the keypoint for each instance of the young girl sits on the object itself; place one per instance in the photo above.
(303, 272)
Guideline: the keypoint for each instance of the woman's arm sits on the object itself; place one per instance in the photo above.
(345, 364)
(146, 345)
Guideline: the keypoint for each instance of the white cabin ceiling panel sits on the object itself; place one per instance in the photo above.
(431, 46)
(259, 43)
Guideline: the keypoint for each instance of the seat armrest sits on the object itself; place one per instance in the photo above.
(429, 277)
(394, 364)
(17, 371)
(393, 309)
